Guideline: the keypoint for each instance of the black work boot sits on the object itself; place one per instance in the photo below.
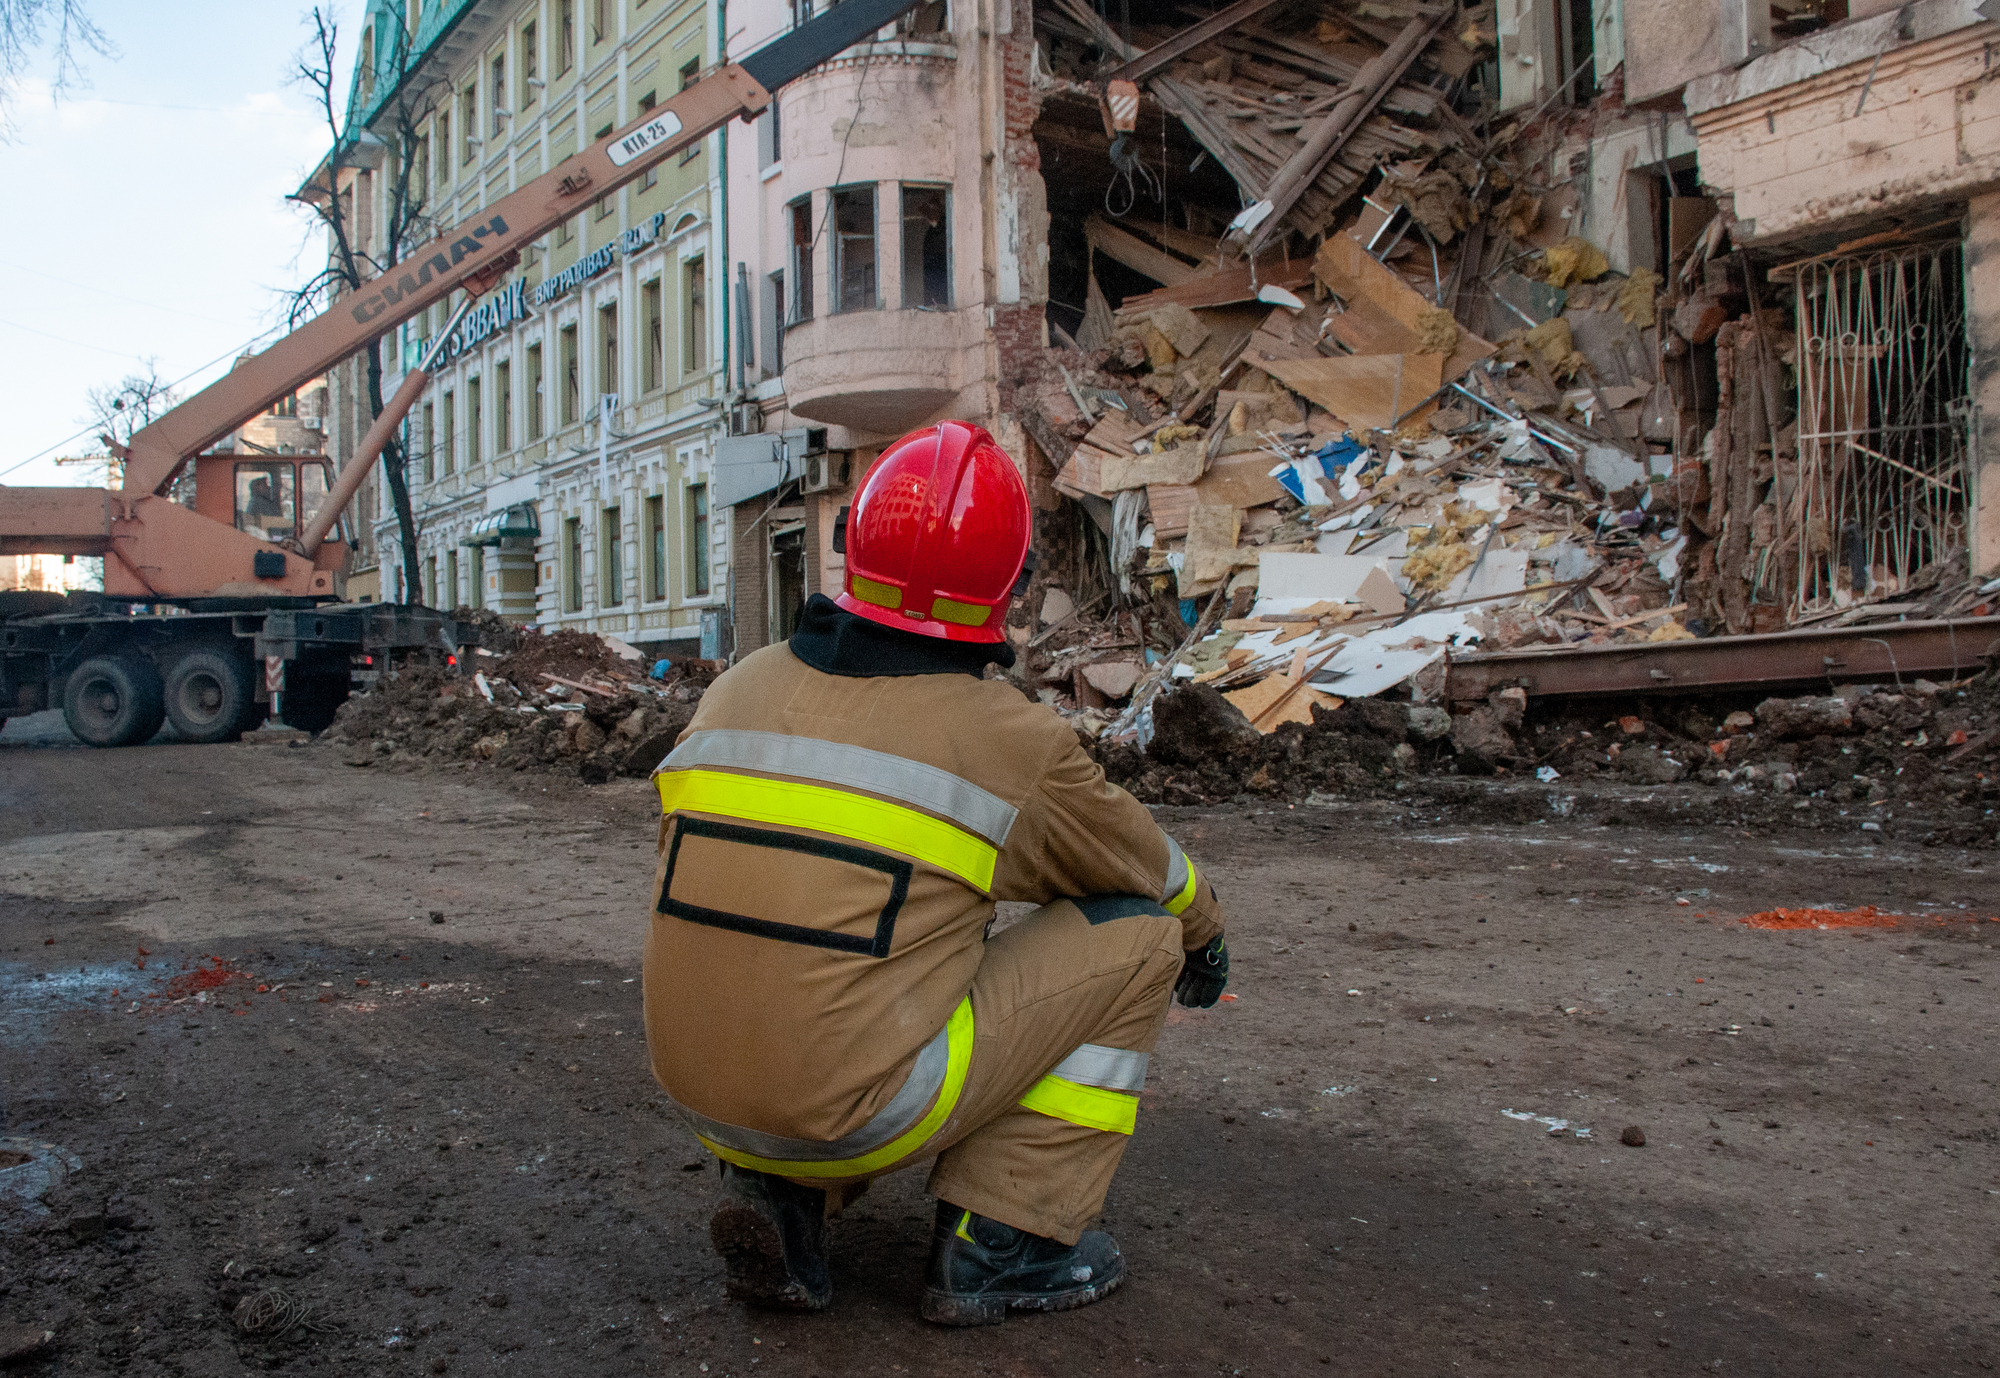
(980, 1267)
(771, 1234)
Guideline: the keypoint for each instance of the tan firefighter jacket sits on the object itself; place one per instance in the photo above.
(831, 848)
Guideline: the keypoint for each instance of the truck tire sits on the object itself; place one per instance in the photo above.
(206, 695)
(114, 701)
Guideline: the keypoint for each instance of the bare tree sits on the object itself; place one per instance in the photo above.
(119, 410)
(22, 25)
(357, 253)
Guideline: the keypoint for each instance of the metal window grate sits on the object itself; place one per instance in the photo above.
(1879, 491)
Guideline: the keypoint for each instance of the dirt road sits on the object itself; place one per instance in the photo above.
(226, 996)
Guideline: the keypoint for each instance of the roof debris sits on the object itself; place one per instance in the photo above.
(1404, 410)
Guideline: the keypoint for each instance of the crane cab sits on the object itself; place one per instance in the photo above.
(270, 497)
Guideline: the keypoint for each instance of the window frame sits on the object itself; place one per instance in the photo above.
(919, 300)
(694, 315)
(838, 268)
(608, 380)
(611, 556)
(503, 406)
(655, 588)
(571, 564)
(567, 363)
(696, 516)
(652, 335)
(800, 263)
(537, 418)
(468, 119)
(474, 396)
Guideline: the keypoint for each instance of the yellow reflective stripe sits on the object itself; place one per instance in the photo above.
(875, 822)
(958, 1034)
(1090, 1106)
(1176, 903)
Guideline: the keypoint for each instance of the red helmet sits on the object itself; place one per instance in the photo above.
(938, 536)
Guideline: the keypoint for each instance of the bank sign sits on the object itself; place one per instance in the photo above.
(517, 299)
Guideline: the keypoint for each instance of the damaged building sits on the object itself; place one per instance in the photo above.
(1356, 343)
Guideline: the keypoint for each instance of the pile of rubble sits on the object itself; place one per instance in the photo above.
(1452, 427)
(1867, 751)
(563, 700)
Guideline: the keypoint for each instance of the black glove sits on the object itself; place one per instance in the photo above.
(1203, 975)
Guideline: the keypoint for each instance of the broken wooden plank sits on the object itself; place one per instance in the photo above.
(1384, 314)
(1335, 128)
(1225, 288)
(1124, 247)
(1180, 465)
(1367, 391)
(1163, 55)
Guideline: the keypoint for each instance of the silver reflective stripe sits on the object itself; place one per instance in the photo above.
(1177, 870)
(1093, 1064)
(904, 1109)
(851, 767)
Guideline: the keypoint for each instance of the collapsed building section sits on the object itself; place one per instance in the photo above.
(1369, 367)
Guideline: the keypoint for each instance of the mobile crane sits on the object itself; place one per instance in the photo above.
(250, 584)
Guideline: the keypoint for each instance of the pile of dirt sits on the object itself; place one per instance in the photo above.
(565, 701)
(1203, 751)
(1872, 750)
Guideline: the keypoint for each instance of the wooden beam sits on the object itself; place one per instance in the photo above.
(1337, 126)
(1136, 254)
(1188, 39)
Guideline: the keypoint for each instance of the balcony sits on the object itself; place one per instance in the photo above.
(879, 372)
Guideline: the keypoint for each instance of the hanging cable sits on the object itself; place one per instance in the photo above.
(1129, 169)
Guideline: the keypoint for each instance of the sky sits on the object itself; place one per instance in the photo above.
(145, 212)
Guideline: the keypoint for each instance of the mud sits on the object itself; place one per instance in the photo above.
(1370, 1161)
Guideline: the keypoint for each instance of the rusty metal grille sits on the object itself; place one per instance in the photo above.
(1879, 487)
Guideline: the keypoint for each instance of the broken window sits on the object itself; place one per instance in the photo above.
(926, 248)
(1878, 490)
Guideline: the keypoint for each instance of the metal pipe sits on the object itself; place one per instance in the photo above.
(373, 443)
(1540, 435)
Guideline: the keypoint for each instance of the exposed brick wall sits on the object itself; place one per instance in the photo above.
(749, 565)
(1019, 331)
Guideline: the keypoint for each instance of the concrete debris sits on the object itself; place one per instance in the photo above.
(563, 700)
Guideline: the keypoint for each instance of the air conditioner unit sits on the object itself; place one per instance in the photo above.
(312, 423)
(814, 474)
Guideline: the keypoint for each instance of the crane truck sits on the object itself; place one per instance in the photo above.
(218, 611)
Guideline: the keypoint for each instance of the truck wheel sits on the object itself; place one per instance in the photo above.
(206, 696)
(114, 701)
(310, 701)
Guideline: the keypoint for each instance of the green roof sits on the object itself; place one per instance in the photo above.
(435, 22)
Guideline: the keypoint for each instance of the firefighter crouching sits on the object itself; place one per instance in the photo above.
(822, 1002)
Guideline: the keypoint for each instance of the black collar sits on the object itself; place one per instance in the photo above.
(836, 642)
